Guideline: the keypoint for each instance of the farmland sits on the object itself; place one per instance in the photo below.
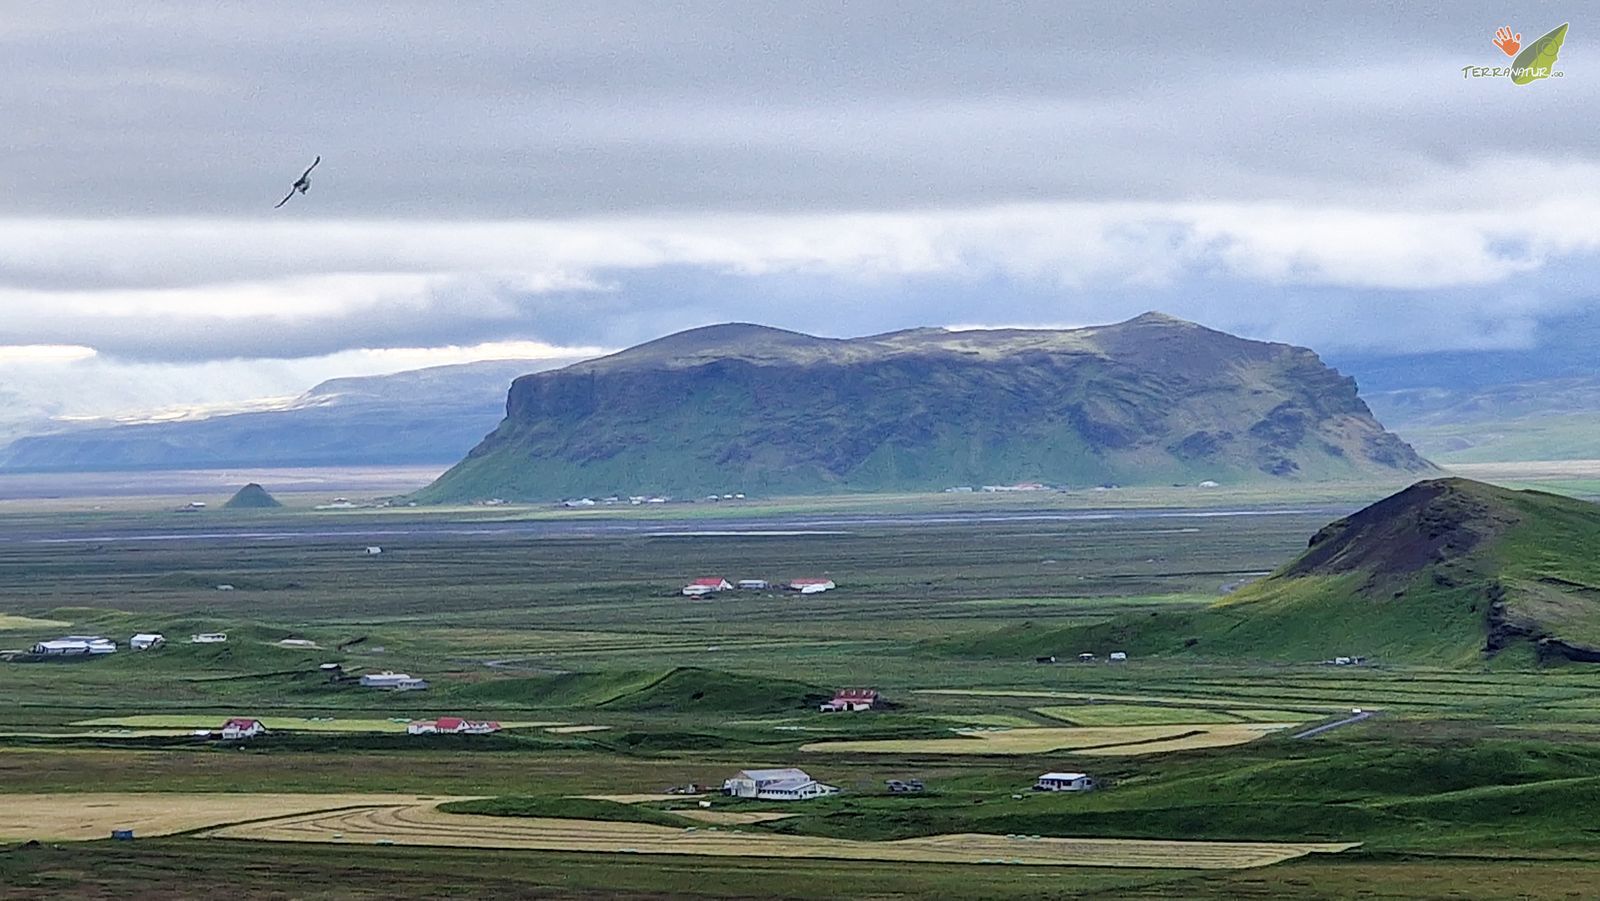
(570, 631)
(425, 825)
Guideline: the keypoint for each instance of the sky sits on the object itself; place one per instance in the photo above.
(552, 180)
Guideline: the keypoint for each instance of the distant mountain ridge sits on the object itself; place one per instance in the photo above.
(1154, 400)
(431, 415)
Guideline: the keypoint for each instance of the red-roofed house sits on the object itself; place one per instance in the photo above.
(706, 586)
(851, 700)
(452, 725)
(242, 727)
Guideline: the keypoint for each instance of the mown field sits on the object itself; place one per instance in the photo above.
(1467, 773)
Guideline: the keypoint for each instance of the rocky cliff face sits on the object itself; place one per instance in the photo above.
(1154, 400)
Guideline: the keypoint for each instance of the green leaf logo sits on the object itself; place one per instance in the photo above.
(1539, 58)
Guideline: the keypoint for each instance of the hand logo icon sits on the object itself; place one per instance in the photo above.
(1506, 41)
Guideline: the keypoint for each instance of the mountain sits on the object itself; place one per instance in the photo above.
(429, 415)
(252, 497)
(1539, 419)
(1447, 571)
(1154, 400)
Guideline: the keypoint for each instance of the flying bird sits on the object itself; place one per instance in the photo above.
(301, 183)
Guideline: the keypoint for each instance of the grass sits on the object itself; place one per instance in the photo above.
(277, 724)
(1115, 740)
(586, 627)
(591, 809)
(1135, 715)
(92, 815)
(426, 825)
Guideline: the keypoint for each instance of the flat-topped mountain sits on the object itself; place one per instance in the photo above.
(739, 407)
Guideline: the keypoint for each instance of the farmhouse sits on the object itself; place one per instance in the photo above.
(451, 725)
(851, 700)
(209, 638)
(811, 586)
(1063, 782)
(242, 727)
(393, 681)
(704, 586)
(776, 785)
(73, 645)
(144, 641)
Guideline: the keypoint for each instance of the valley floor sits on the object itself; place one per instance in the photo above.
(612, 686)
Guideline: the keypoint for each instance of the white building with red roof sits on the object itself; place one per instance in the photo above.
(452, 725)
(242, 727)
(850, 700)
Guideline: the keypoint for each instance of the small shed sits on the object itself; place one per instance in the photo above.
(373, 550)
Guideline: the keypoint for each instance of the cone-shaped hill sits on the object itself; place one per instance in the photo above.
(1446, 571)
(252, 497)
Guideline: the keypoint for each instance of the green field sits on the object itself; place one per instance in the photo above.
(1470, 771)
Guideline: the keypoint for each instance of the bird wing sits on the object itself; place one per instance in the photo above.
(285, 198)
(310, 167)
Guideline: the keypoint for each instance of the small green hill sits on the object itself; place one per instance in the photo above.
(252, 497)
(1448, 571)
(681, 689)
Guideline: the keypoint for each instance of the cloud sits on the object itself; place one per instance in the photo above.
(594, 175)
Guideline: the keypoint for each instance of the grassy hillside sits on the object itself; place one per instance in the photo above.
(1542, 419)
(680, 689)
(1447, 572)
(1154, 400)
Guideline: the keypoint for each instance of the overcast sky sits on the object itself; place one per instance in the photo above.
(549, 179)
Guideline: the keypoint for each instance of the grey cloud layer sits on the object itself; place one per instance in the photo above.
(599, 174)
(558, 109)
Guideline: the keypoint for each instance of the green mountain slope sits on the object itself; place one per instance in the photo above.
(1543, 419)
(1154, 400)
(1447, 571)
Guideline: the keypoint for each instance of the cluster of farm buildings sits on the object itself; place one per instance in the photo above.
(240, 727)
(80, 645)
(793, 784)
(713, 584)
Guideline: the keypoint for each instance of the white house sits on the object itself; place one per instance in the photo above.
(452, 725)
(714, 583)
(71, 645)
(144, 641)
(851, 700)
(209, 638)
(1063, 782)
(242, 727)
(394, 681)
(788, 784)
(811, 586)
